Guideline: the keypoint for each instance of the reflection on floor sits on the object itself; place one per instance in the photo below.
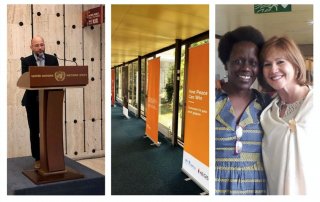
(97, 164)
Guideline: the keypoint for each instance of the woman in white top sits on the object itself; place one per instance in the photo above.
(287, 120)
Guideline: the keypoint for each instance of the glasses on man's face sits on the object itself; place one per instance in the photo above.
(239, 132)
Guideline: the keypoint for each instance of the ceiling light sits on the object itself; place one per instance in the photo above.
(310, 22)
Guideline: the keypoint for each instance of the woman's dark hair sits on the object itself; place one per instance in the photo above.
(245, 33)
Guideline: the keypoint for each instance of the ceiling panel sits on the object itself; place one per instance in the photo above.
(142, 29)
(194, 10)
(177, 18)
(117, 14)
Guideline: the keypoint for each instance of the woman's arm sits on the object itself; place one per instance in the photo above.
(218, 83)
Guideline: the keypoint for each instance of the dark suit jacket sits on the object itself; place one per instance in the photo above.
(30, 96)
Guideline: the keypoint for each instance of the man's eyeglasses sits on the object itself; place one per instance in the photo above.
(239, 132)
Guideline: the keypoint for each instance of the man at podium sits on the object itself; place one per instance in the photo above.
(30, 98)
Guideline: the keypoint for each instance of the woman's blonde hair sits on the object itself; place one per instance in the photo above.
(291, 53)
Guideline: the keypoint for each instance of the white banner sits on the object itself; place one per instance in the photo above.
(195, 169)
(125, 112)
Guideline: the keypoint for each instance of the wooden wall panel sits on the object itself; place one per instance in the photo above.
(89, 6)
(93, 100)
(103, 72)
(18, 45)
(18, 139)
(74, 105)
(104, 135)
(19, 13)
(103, 81)
(49, 27)
(18, 41)
(74, 97)
(14, 94)
(93, 89)
(93, 139)
(18, 37)
(92, 50)
(73, 43)
(77, 142)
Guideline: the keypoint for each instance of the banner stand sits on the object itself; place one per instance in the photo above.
(195, 181)
(147, 136)
(152, 122)
(195, 162)
(125, 104)
(126, 116)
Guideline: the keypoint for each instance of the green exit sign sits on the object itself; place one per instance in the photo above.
(271, 8)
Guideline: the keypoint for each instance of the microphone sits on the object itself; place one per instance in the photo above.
(55, 55)
(22, 58)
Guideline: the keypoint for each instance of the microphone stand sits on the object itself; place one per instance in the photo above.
(65, 59)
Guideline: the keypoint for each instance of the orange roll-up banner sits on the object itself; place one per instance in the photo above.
(112, 87)
(196, 137)
(153, 99)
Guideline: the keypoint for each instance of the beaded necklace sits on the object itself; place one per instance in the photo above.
(290, 107)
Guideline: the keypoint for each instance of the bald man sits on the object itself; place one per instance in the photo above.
(30, 98)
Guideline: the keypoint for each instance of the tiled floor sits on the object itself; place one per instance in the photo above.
(97, 164)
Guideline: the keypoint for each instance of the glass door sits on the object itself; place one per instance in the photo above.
(167, 62)
(135, 84)
(180, 115)
(143, 86)
(130, 87)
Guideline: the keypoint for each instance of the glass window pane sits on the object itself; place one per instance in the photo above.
(143, 92)
(146, 99)
(130, 83)
(167, 60)
(181, 92)
(120, 83)
(199, 43)
(116, 81)
(151, 58)
(135, 84)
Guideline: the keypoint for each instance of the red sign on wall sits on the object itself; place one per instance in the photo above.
(93, 16)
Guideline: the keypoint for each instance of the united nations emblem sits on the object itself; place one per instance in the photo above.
(60, 75)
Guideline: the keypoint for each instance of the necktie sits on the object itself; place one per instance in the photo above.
(41, 61)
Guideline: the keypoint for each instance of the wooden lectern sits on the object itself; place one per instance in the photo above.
(50, 81)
